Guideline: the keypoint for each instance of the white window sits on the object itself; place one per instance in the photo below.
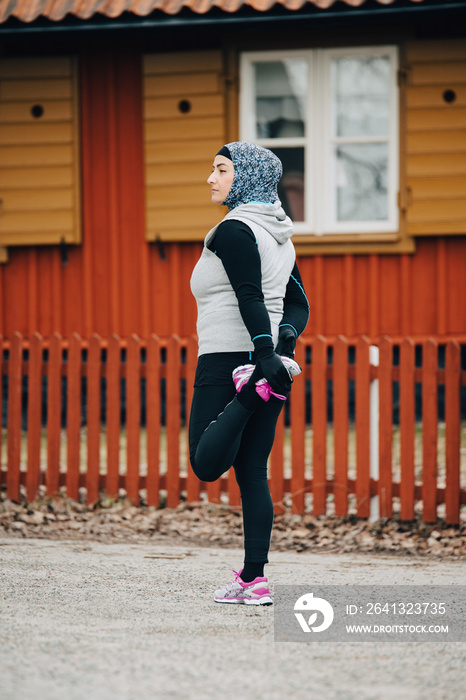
(331, 115)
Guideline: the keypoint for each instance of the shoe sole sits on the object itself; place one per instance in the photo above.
(265, 600)
(244, 601)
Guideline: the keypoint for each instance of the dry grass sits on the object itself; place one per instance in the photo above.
(287, 455)
(287, 460)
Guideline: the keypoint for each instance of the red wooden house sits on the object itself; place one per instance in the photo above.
(110, 115)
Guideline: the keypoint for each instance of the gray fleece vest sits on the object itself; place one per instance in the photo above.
(220, 327)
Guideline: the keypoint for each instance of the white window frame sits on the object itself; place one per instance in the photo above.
(319, 194)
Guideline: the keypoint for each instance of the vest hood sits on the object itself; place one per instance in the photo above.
(270, 217)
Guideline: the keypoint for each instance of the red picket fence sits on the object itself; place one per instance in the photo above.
(93, 416)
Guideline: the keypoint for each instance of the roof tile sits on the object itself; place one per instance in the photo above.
(29, 10)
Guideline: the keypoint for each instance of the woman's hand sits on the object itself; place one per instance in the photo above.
(286, 342)
(275, 372)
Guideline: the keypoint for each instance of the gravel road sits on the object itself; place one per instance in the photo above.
(94, 621)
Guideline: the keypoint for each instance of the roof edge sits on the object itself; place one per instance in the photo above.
(186, 17)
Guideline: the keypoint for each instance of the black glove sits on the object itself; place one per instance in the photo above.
(275, 372)
(286, 342)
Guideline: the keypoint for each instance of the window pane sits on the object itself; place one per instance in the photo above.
(361, 94)
(280, 98)
(361, 182)
(291, 186)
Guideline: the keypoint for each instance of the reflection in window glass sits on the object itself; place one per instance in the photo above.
(361, 182)
(331, 115)
(280, 98)
(361, 93)
(291, 186)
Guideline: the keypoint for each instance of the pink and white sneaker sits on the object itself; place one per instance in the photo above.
(264, 389)
(241, 376)
(253, 593)
(291, 365)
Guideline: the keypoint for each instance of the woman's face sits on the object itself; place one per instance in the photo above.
(221, 178)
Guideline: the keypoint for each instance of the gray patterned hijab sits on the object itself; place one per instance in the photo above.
(257, 172)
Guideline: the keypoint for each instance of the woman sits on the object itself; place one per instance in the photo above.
(251, 308)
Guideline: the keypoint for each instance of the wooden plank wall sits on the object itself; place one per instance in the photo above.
(184, 126)
(436, 137)
(117, 282)
(418, 295)
(39, 151)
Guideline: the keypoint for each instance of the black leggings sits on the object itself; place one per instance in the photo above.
(223, 433)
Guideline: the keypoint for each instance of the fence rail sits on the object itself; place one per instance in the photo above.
(100, 415)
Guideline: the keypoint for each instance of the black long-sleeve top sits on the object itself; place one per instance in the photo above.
(235, 244)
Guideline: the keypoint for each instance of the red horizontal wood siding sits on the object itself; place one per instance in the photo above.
(118, 283)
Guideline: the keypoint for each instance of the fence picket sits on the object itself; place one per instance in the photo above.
(298, 436)
(213, 489)
(54, 414)
(14, 415)
(73, 416)
(429, 430)
(362, 399)
(93, 418)
(340, 424)
(452, 432)
(133, 417)
(3, 401)
(234, 496)
(113, 384)
(153, 421)
(193, 485)
(173, 367)
(407, 428)
(319, 424)
(385, 428)
(276, 466)
(34, 416)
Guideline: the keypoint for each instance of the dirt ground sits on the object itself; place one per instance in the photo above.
(220, 526)
(90, 620)
(115, 603)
